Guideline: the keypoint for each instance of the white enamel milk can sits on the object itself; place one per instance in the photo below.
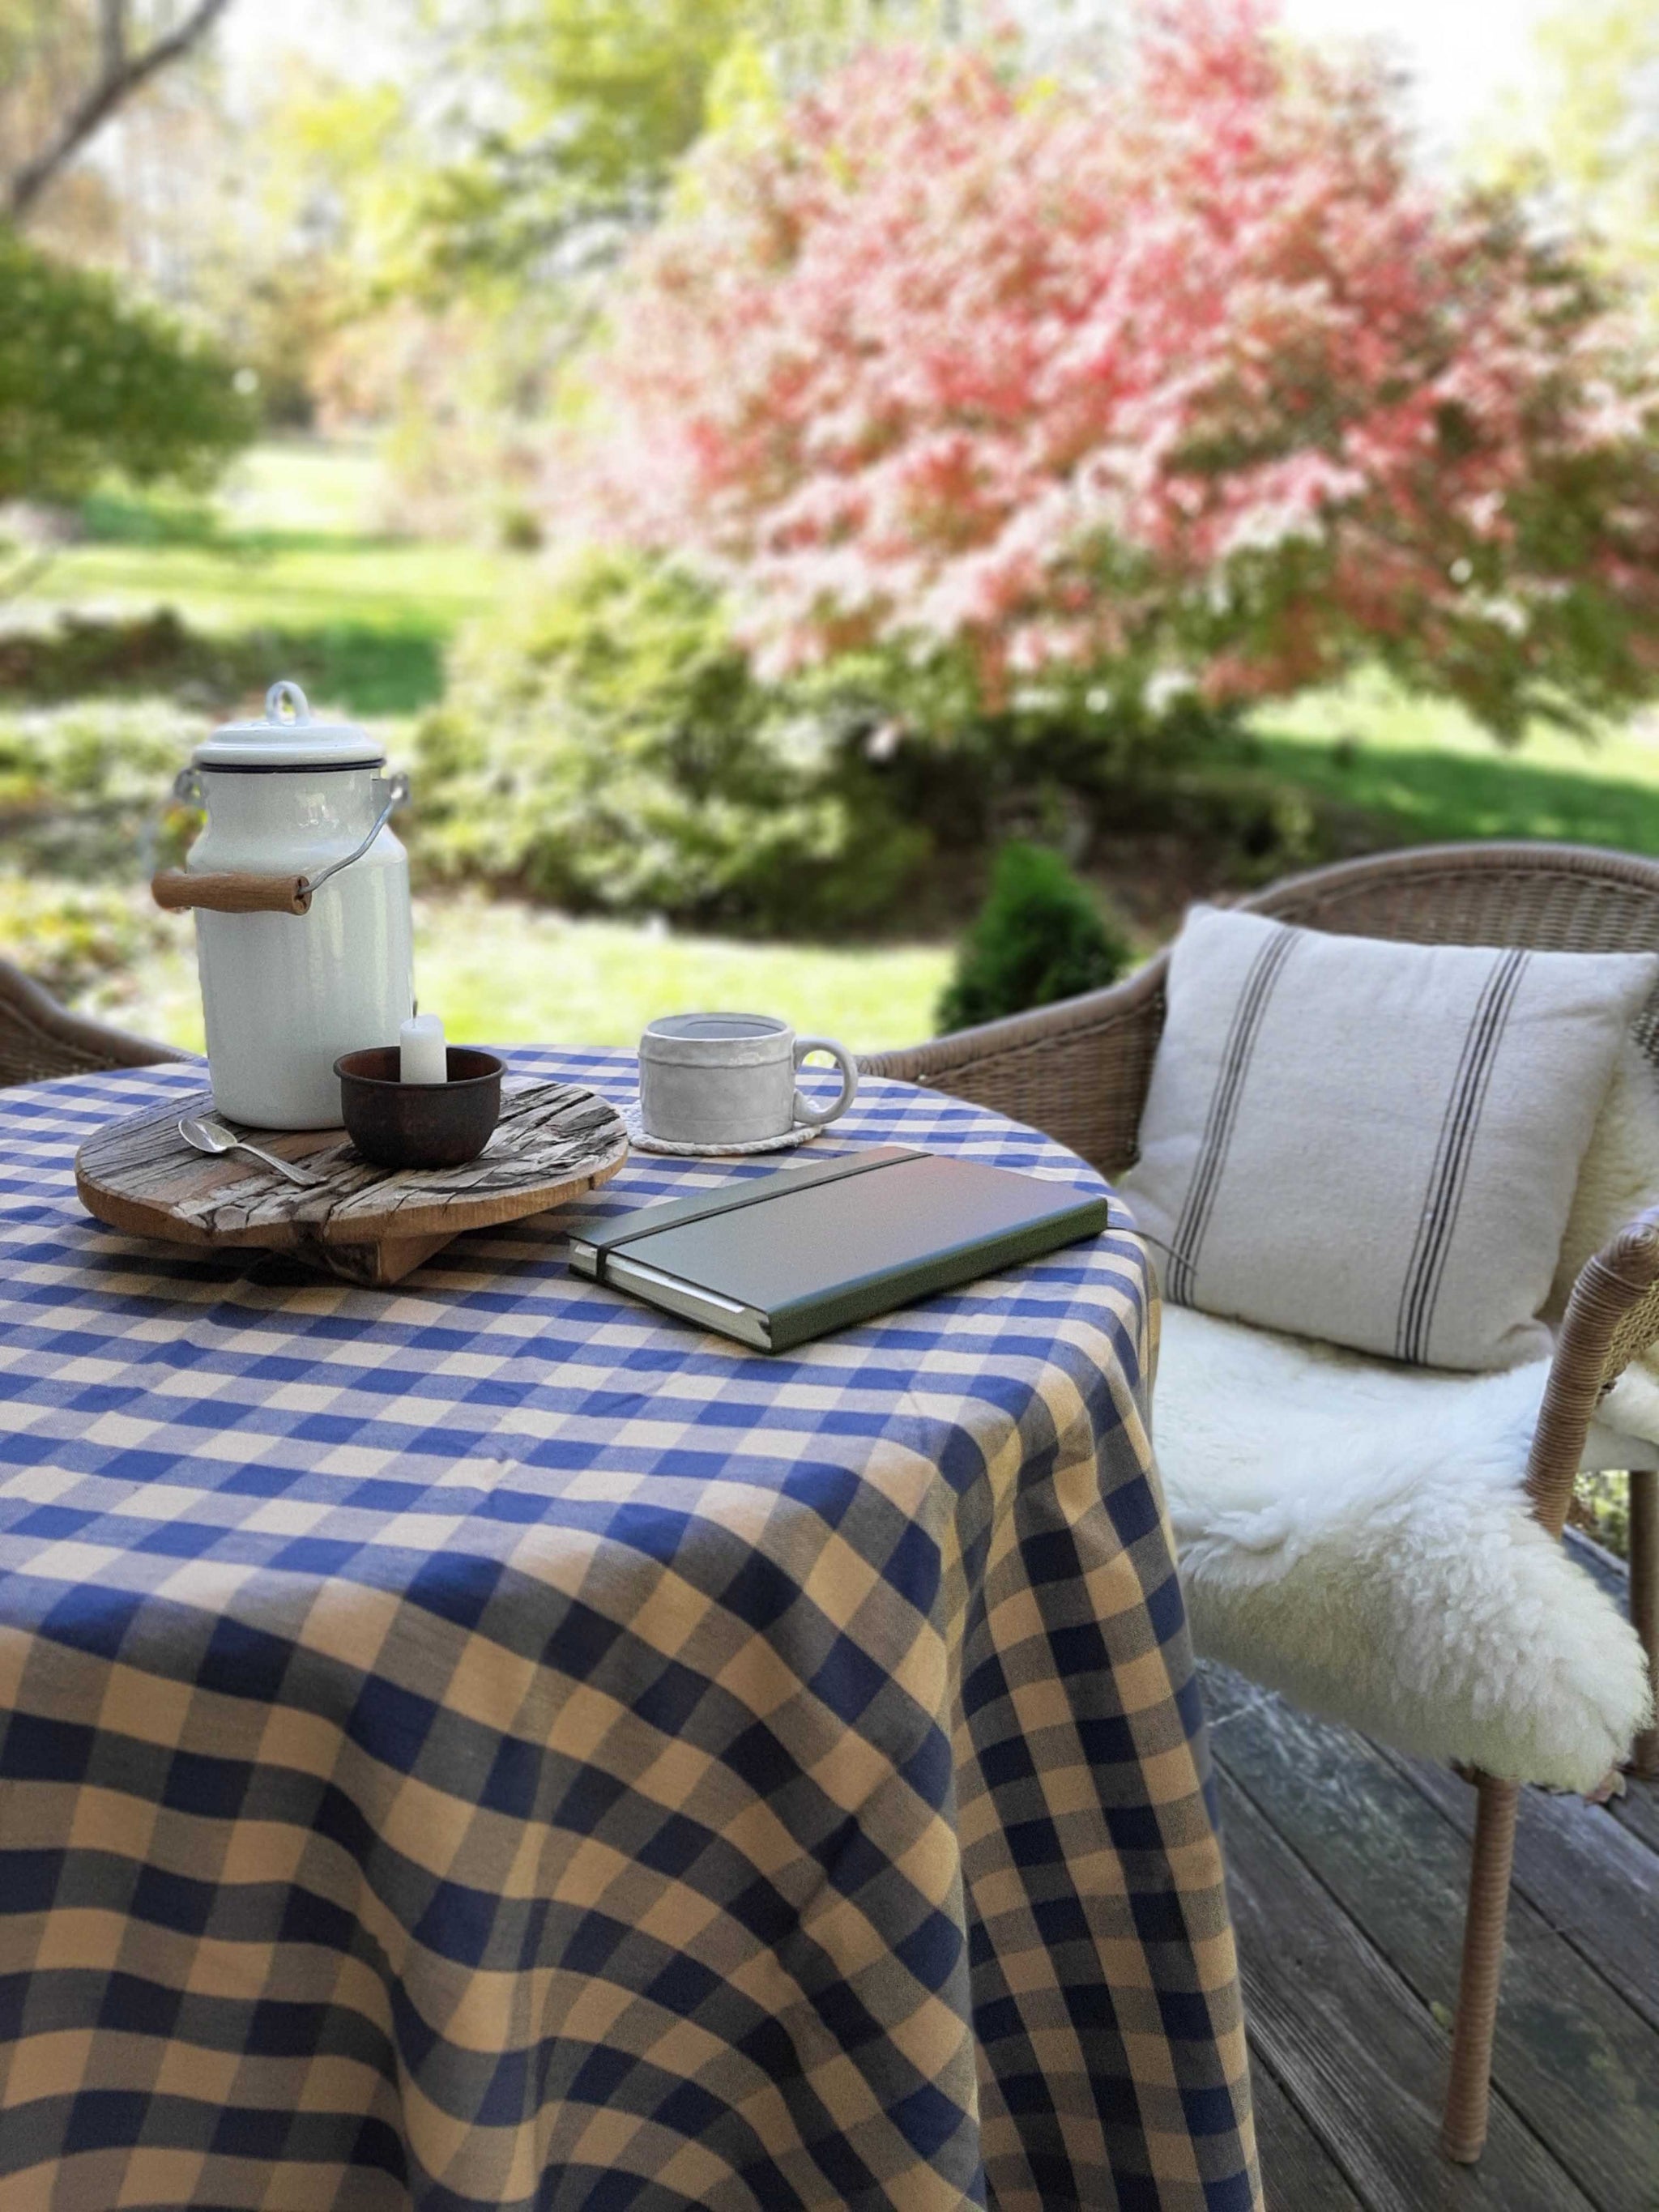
(303, 933)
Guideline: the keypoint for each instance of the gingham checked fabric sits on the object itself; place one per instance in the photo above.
(490, 1745)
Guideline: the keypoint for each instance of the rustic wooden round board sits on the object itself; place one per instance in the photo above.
(553, 1141)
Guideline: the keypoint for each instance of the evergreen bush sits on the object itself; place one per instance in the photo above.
(74, 938)
(84, 789)
(609, 748)
(1039, 937)
(90, 381)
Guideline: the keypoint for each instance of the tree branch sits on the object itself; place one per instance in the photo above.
(113, 28)
(120, 74)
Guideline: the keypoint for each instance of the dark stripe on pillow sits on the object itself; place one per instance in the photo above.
(1223, 1116)
(1438, 1222)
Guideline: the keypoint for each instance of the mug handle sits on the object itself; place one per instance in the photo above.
(805, 1113)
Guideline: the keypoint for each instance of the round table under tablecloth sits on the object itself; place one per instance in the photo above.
(488, 1743)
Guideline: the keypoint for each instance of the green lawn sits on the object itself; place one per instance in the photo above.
(505, 974)
(294, 536)
(1426, 773)
(290, 561)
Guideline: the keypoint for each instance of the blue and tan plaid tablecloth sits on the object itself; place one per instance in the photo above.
(488, 1745)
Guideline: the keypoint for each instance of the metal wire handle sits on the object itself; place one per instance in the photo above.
(397, 788)
(239, 892)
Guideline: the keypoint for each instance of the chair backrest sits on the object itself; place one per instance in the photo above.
(39, 1038)
(1080, 1070)
(1551, 898)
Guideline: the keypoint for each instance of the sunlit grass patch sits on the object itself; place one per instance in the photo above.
(1429, 775)
(504, 973)
(289, 571)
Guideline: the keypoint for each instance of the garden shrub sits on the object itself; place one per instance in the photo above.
(1601, 1507)
(80, 653)
(89, 382)
(85, 790)
(608, 748)
(1038, 938)
(70, 937)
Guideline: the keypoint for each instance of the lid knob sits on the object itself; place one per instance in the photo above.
(284, 695)
(288, 735)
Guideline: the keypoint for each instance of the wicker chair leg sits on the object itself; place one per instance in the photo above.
(1463, 2131)
(1644, 1600)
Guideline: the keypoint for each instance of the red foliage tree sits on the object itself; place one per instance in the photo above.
(1183, 381)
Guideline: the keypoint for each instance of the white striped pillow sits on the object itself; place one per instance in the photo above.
(1372, 1143)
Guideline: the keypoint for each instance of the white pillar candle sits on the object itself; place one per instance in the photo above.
(422, 1057)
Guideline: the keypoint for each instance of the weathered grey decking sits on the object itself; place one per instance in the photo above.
(1347, 1865)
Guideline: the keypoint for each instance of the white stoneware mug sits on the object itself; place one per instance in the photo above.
(730, 1079)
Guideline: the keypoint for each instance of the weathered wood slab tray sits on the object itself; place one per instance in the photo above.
(553, 1141)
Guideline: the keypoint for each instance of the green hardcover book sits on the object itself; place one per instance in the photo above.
(779, 1260)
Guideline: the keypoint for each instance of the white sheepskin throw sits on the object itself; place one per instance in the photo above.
(1355, 1535)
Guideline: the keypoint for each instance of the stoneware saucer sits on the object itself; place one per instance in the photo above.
(786, 1143)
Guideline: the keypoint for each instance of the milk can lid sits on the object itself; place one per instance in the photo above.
(288, 738)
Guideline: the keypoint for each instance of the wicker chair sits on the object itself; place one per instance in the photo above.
(40, 1038)
(1079, 1071)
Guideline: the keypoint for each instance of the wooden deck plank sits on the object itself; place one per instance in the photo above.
(1637, 1811)
(1297, 2172)
(1591, 1878)
(1571, 2054)
(1360, 2054)
(1600, 1564)
(1638, 1808)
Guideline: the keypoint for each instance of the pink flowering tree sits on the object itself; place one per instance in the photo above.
(1182, 383)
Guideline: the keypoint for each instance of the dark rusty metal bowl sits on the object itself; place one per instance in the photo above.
(419, 1125)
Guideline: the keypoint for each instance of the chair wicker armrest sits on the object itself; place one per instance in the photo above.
(1611, 1316)
(1636, 1333)
(39, 1039)
(1077, 1071)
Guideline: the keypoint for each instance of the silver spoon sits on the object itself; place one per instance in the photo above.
(209, 1137)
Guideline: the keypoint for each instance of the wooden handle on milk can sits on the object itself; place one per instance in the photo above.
(231, 894)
